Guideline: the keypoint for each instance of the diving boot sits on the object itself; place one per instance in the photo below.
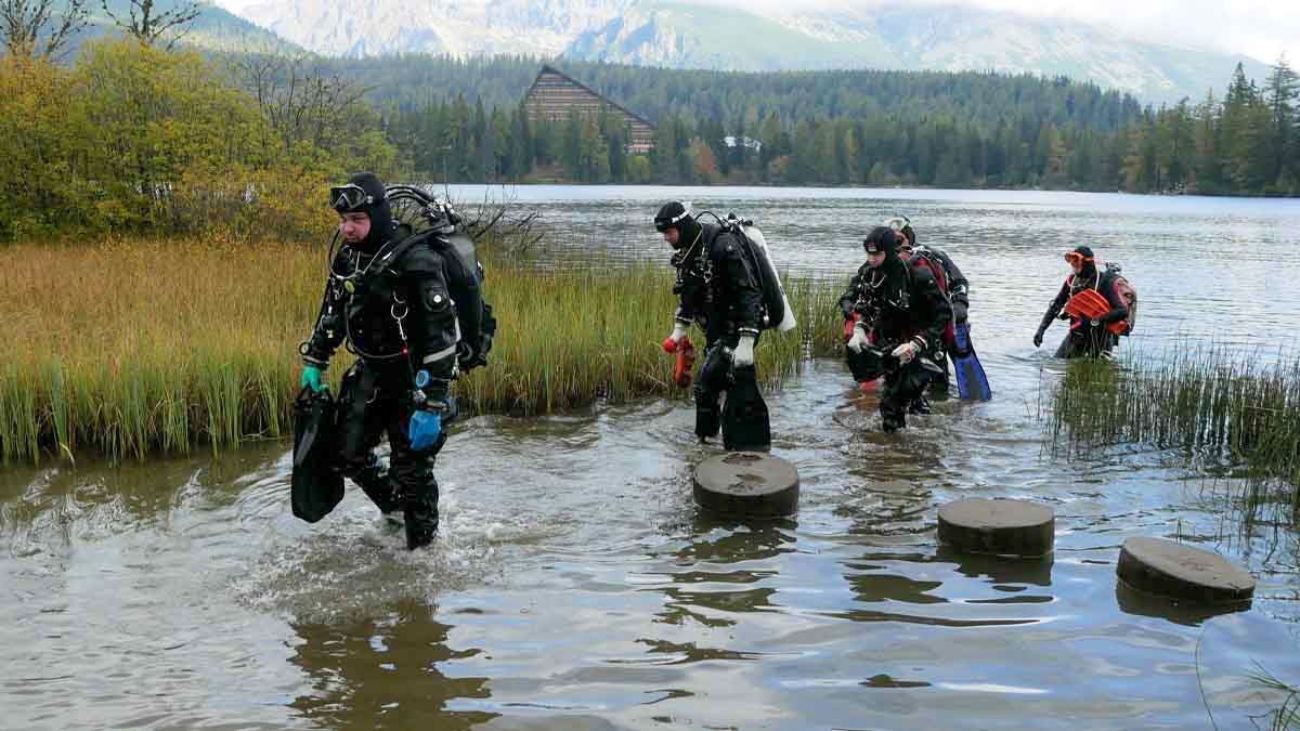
(708, 422)
(420, 509)
(421, 524)
(893, 417)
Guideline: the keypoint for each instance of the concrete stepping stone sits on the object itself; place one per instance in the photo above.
(747, 484)
(999, 527)
(1176, 571)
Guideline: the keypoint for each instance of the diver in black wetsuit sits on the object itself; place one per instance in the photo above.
(720, 293)
(954, 286)
(388, 296)
(900, 316)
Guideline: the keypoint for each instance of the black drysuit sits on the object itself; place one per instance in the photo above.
(719, 291)
(390, 301)
(957, 290)
(896, 303)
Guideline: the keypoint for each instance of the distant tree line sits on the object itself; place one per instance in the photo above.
(1246, 144)
(849, 128)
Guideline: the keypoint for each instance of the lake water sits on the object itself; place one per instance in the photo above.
(575, 585)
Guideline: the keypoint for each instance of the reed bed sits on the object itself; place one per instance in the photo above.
(1220, 410)
(127, 348)
(1287, 716)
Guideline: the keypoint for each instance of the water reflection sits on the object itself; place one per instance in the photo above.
(957, 585)
(383, 673)
(46, 510)
(871, 588)
(1005, 574)
(730, 541)
(706, 591)
(1191, 614)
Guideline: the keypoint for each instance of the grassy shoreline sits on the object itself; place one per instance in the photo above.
(128, 348)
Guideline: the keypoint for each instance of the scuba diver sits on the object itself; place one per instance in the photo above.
(1091, 335)
(954, 286)
(388, 296)
(718, 291)
(899, 316)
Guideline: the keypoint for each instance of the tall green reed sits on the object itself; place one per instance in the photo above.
(1220, 410)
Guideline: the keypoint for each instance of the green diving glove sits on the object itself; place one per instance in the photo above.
(311, 378)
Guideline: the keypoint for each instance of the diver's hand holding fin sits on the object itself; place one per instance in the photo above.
(906, 352)
(959, 312)
(670, 342)
(311, 378)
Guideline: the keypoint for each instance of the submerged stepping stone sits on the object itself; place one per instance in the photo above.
(747, 484)
(1173, 570)
(1000, 527)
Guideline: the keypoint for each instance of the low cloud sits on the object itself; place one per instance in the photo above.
(1262, 30)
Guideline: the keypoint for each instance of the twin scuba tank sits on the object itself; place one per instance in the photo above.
(436, 220)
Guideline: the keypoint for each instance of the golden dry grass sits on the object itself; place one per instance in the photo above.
(125, 348)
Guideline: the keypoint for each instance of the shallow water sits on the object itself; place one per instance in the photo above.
(575, 585)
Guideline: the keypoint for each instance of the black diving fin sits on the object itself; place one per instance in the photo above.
(317, 483)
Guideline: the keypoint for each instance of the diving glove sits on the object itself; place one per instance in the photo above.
(670, 342)
(311, 378)
(424, 429)
(743, 355)
(1046, 323)
(859, 340)
(906, 352)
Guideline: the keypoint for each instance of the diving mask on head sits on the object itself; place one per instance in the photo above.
(350, 198)
(671, 215)
(898, 223)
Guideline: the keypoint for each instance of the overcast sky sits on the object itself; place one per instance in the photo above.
(1258, 28)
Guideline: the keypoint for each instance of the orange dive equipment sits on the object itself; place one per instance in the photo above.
(1090, 305)
(849, 324)
(685, 363)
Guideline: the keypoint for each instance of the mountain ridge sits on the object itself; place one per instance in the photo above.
(215, 28)
(699, 34)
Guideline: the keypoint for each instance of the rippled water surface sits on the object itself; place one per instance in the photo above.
(575, 585)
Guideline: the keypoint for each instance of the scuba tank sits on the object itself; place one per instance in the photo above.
(438, 222)
(773, 290)
(778, 314)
